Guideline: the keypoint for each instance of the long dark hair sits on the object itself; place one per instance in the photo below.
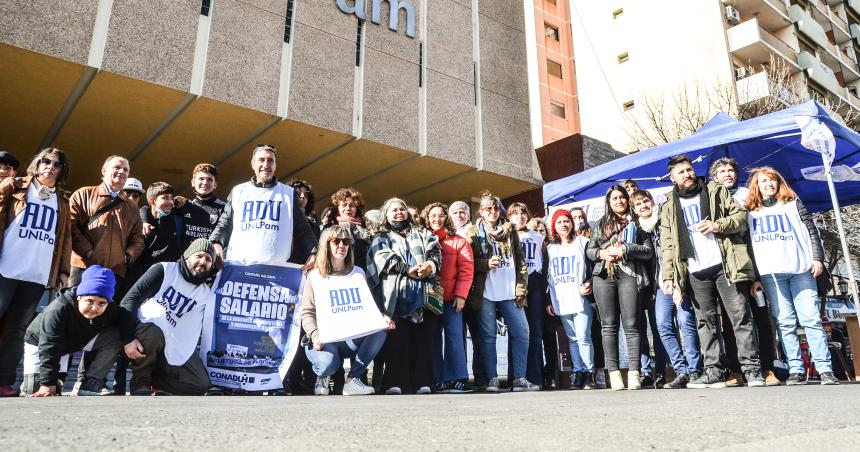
(33, 169)
(610, 223)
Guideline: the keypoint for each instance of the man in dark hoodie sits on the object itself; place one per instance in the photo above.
(78, 318)
(169, 301)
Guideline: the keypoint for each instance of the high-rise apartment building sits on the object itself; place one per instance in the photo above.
(630, 50)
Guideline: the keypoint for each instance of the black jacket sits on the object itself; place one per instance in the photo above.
(638, 255)
(61, 329)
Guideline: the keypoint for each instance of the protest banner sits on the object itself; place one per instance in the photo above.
(250, 333)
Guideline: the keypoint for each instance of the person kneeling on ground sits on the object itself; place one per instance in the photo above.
(81, 317)
(344, 326)
(169, 301)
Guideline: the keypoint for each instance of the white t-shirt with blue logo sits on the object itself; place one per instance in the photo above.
(567, 272)
(705, 248)
(531, 242)
(501, 282)
(262, 225)
(29, 240)
(780, 241)
(177, 309)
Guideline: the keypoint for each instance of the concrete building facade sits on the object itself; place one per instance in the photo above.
(428, 100)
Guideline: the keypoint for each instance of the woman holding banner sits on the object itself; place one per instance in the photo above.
(402, 267)
(569, 285)
(620, 252)
(347, 322)
(788, 256)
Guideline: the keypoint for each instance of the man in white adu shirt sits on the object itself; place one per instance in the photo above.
(704, 256)
(262, 221)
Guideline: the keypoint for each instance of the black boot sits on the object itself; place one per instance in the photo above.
(588, 381)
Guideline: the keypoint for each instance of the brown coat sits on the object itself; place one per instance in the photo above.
(13, 200)
(116, 234)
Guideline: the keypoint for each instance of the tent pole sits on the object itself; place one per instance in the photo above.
(845, 252)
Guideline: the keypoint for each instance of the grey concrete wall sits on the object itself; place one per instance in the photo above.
(323, 68)
(153, 40)
(60, 29)
(244, 59)
(391, 67)
(450, 82)
(507, 147)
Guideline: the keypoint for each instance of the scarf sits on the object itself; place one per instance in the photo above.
(650, 224)
(685, 243)
(499, 235)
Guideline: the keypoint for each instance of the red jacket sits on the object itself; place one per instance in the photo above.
(457, 267)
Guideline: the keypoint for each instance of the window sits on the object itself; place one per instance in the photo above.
(550, 31)
(557, 109)
(623, 58)
(617, 13)
(551, 2)
(628, 105)
(806, 46)
(553, 68)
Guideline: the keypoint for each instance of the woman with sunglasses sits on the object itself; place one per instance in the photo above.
(500, 284)
(34, 222)
(449, 351)
(341, 326)
(620, 252)
(402, 267)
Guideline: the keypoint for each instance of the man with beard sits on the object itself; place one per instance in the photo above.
(169, 301)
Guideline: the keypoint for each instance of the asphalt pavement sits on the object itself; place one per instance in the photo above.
(779, 418)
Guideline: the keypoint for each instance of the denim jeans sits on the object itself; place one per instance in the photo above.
(578, 330)
(793, 298)
(667, 314)
(328, 360)
(518, 328)
(449, 352)
(535, 311)
(649, 319)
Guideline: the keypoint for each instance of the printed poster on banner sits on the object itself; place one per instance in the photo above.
(250, 333)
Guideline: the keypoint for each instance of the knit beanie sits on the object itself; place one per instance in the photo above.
(199, 245)
(555, 215)
(97, 280)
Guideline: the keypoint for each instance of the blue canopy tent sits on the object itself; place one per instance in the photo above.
(772, 139)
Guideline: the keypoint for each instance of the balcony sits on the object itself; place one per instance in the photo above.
(819, 73)
(752, 44)
(771, 14)
(759, 86)
(807, 26)
(855, 33)
(854, 6)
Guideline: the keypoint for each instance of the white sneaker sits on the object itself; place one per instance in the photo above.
(354, 386)
(424, 390)
(633, 382)
(394, 390)
(321, 387)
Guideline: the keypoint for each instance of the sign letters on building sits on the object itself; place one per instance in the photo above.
(394, 6)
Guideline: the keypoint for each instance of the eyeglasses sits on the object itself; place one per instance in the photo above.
(55, 163)
(263, 145)
(340, 241)
(490, 208)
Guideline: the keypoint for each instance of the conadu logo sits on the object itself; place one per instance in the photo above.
(394, 7)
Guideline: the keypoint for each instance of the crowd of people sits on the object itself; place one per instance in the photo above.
(131, 271)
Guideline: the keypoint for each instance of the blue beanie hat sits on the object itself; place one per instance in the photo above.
(97, 280)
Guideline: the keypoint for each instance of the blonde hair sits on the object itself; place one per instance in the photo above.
(324, 257)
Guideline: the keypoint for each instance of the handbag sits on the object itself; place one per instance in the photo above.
(433, 295)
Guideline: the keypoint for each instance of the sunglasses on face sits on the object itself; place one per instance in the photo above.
(55, 163)
(340, 241)
(132, 194)
(490, 209)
